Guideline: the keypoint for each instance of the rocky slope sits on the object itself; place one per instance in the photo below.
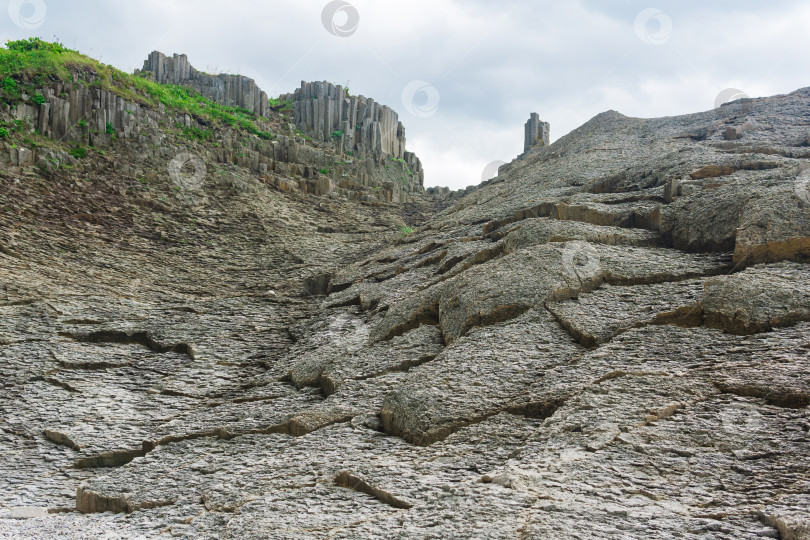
(609, 340)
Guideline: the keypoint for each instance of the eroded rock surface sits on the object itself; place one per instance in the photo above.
(610, 340)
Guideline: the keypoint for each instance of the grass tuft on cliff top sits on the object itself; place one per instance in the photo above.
(32, 63)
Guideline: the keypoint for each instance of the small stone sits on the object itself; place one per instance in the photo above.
(733, 133)
(324, 186)
(27, 512)
(672, 190)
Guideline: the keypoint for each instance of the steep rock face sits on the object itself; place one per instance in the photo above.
(608, 340)
(359, 124)
(78, 114)
(231, 90)
(322, 110)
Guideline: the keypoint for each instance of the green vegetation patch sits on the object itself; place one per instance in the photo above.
(281, 105)
(196, 134)
(32, 62)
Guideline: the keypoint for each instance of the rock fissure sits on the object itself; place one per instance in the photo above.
(350, 480)
(121, 337)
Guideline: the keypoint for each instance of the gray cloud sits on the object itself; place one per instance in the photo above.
(492, 63)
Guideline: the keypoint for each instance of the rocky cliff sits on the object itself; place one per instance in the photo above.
(230, 90)
(321, 110)
(92, 109)
(326, 111)
(608, 340)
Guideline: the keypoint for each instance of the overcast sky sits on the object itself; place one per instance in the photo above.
(463, 75)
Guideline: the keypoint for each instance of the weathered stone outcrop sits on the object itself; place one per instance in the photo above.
(77, 113)
(537, 132)
(231, 90)
(758, 299)
(358, 124)
(368, 136)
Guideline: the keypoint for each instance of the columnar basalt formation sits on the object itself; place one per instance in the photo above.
(80, 114)
(325, 112)
(231, 90)
(73, 112)
(537, 132)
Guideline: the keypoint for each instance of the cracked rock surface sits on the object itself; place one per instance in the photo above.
(609, 340)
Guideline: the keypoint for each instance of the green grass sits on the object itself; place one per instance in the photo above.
(406, 231)
(279, 105)
(195, 133)
(187, 100)
(10, 86)
(4, 133)
(78, 152)
(110, 129)
(28, 64)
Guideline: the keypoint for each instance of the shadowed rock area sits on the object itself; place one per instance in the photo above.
(610, 339)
